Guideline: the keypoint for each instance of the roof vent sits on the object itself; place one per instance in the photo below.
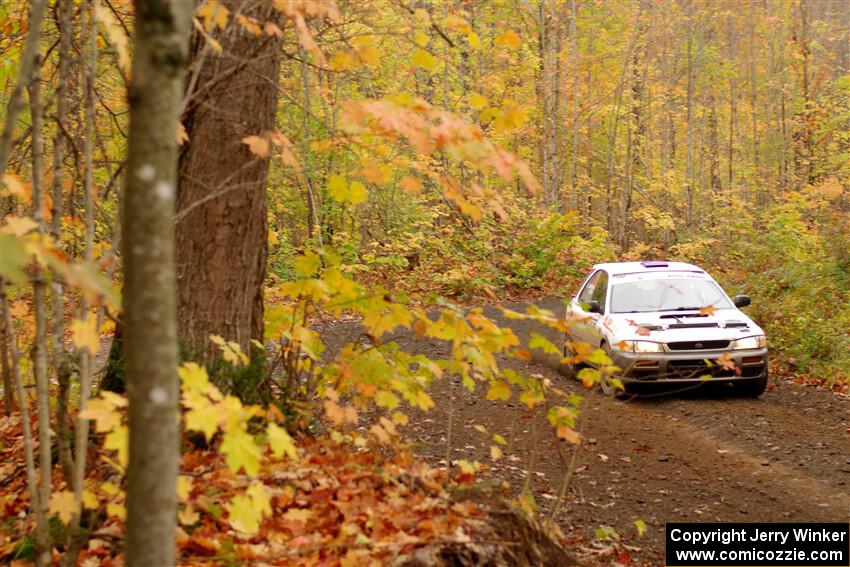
(655, 264)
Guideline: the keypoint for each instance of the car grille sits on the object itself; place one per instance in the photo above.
(697, 345)
(695, 369)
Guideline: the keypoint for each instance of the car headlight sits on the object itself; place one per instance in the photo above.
(758, 341)
(639, 346)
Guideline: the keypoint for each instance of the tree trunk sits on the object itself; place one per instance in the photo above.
(29, 58)
(39, 306)
(150, 329)
(222, 224)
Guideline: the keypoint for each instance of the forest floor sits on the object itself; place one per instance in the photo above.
(702, 456)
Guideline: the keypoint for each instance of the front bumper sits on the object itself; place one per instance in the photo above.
(690, 366)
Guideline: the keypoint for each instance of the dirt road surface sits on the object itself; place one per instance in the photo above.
(703, 456)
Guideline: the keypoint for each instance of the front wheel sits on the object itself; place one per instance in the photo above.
(752, 388)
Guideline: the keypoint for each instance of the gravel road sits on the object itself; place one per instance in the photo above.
(702, 456)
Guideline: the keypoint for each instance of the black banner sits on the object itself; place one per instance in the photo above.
(758, 545)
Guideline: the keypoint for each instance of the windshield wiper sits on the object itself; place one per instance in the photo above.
(682, 309)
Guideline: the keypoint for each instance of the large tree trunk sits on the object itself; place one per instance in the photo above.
(150, 329)
(222, 225)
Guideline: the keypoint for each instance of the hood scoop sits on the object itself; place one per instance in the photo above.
(693, 326)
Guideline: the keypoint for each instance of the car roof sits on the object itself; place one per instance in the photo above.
(647, 267)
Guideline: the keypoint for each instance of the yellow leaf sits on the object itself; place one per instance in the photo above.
(387, 399)
(16, 187)
(241, 451)
(640, 525)
(474, 40)
(568, 433)
(499, 391)
(421, 38)
(116, 510)
(205, 418)
(90, 501)
(188, 516)
(184, 487)
(495, 452)
(499, 439)
(345, 192)
(280, 441)
(422, 58)
(64, 505)
(103, 413)
(509, 39)
(116, 35)
(708, 310)
(194, 377)
(370, 55)
(84, 334)
(400, 418)
(308, 264)
(213, 14)
(18, 226)
(250, 25)
(257, 145)
(118, 440)
(343, 61)
(477, 101)
(182, 135)
(230, 351)
(298, 515)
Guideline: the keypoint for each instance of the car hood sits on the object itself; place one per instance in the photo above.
(681, 326)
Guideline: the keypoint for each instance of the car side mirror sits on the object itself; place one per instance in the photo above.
(592, 306)
(741, 301)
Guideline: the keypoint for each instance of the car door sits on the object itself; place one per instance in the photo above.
(585, 323)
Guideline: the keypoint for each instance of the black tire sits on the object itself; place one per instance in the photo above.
(752, 388)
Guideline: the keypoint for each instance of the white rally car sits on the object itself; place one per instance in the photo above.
(667, 323)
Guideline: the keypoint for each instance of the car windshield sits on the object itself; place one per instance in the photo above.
(666, 294)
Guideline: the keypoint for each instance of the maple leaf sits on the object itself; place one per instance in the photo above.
(64, 505)
(370, 55)
(246, 511)
(477, 101)
(184, 487)
(499, 391)
(118, 440)
(230, 350)
(204, 417)
(411, 185)
(188, 516)
(103, 412)
(194, 377)
(568, 433)
(116, 35)
(84, 334)
(345, 192)
(308, 264)
(509, 39)
(116, 510)
(213, 14)
(241, 451)
(387, 399)
(709, 310)
(257, 145)
(298, 515)
(280, 441)
(18, 226)
(423, 59)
